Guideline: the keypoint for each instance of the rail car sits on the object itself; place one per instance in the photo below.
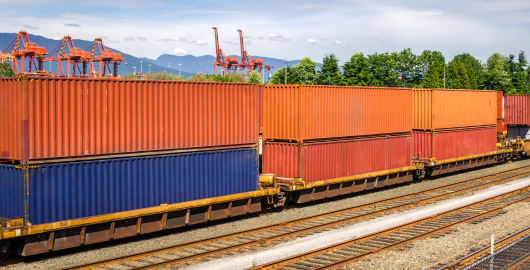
(91, 160)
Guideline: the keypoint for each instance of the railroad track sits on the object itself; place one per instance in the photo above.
(189, 253)
(511, 252)
(341, 254)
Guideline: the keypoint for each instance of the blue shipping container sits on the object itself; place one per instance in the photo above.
(63, 191)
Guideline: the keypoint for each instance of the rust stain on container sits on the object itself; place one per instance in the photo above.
(448, 108)
(446, 144)
(69, 117)
(317, 161)
(517, 111)
(298, 113)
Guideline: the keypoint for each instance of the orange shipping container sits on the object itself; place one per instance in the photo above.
(44, 118)
(298, 113)
(449, 108)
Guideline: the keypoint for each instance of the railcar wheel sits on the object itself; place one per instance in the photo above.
(5, 249)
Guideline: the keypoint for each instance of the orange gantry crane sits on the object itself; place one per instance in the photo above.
(228, 64)
(21, 48)
(66, 51)
(105, 58)
(248, 62)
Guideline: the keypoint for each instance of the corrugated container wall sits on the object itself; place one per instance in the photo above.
(11, 192)
(447, 144)
(447, 108)
(517, 110)
(333, 159)
(62, 191)
(299, 113)
(44, 118)
(500, 105)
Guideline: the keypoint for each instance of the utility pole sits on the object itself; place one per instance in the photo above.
(286, 62)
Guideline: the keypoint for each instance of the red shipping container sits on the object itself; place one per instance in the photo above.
(45, 118)
(500, 105)
(500, 126)
(447, 144)
(516, 110)
(302, 112)
(317, 161)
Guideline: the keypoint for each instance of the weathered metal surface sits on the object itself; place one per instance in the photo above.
(447, 108)
(301, 112)
(447, 144)
(523, 132)
(65, 191)
(333, 159)
(45, 118)
(517, 110)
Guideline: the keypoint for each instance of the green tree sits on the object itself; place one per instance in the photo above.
(476, 66)
(254, 77)
(496, 74)
(473, 82)
(434, 75)
(427, 58)
(278, 77)
(305, 71)
(407, 66)
(356, 71)
(431, 66)
(330, 66)
(383, 70)
(6, 70)
(519, 75)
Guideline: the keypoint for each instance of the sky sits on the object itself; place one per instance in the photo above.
(281, 29)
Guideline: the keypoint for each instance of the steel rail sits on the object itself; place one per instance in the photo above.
(275, 227)
(349, 259)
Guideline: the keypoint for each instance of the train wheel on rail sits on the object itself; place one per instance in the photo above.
(5, 249)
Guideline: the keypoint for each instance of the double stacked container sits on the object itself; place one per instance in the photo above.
(327, 132)
(73, 148)
(452, 124)
(517, 116)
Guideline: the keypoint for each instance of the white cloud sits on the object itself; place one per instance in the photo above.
(179, 51)
(337, 42)
(278, 37)
(186, 40)
(313, 41)
(135, 38)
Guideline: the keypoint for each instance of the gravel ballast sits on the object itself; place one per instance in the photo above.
(134, 246)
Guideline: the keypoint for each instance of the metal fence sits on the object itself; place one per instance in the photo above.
(504, 257)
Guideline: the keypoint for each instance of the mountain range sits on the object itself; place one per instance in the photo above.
(189, 64)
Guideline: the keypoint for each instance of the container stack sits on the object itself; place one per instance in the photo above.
(74, 148)
(452, 124)
(517, 116)
(315, 133)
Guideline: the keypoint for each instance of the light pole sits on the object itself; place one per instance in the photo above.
(134, 70)
(489, 86)
(451, 83)
(149, 68)
(179, 69)
(141, 71)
